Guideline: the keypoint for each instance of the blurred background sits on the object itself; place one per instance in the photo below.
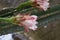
(10, 3)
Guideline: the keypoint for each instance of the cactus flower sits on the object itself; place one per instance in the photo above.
(29, 22)
(41, 4)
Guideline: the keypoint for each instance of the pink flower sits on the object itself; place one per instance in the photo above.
(29, 22)
(41, 4)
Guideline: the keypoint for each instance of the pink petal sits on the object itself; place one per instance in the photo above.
(34, 17)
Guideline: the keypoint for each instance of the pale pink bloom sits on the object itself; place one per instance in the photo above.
(28, 23)
(31, 23)
(45, 6)
(42, 4)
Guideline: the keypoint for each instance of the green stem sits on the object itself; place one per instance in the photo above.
(23, 5)
(9, 20)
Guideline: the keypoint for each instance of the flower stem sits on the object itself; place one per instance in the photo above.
(9, 20)
(24, 5)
